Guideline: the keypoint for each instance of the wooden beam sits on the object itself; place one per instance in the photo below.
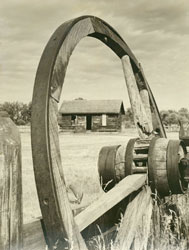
(142, 122)
(157, 122)
(108, 200)
(10, 185)
(33, 232)
(33, 237)
(135, 226)
(146, 102)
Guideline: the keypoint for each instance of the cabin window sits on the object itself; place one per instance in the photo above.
(104, 120)
(73, 119)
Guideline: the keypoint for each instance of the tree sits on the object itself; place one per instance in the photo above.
(173, 118)
(26, 112)
(19, 112)
(164, 116)
(183, 114)
(128, 118)
(169, 117)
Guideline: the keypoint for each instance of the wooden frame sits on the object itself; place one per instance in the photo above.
(58, 219)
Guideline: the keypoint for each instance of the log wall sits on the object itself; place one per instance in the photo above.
(81, 123)
(114, 122)
(65, 122)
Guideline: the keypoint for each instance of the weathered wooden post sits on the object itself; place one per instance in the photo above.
(142, 119)
(10, 185)
(135, 226)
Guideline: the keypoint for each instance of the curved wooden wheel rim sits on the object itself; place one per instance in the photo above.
(129, 157)
(157, 161)
(151, 170)
(106, 167)
(50, 75)
(177, 185)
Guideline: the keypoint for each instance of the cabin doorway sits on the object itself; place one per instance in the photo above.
(89, 121)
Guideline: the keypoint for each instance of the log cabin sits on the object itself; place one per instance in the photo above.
(91, 115)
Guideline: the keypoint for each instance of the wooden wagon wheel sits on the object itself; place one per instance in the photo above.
(157, 162)
(60, 227)
(176, 151)
(106, 163)
(165, 166)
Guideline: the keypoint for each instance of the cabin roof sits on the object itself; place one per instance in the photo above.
(92, 107)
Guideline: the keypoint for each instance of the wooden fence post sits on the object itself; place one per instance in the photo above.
(10, 185)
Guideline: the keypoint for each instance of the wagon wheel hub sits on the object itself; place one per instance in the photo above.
(165, 161)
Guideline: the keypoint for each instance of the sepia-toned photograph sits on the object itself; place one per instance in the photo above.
(94, 125)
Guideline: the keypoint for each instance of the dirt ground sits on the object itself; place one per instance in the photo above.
(79, 159)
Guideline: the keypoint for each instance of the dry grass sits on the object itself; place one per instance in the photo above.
(173, 232)
(79, 159)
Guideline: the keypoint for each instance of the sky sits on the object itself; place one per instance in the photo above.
(156, 31)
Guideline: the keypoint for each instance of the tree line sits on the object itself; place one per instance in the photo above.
(20, 113)
(169, 117)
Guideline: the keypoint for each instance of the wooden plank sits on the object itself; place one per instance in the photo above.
(10, 185)
(125, 187)
(156, 119)
(33, 237)
(33, 233)
(140, 170)
(146, 102)
(142, 123)
(140, 157)
(135, 226)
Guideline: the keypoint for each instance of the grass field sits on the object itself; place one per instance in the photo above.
(79, 159)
